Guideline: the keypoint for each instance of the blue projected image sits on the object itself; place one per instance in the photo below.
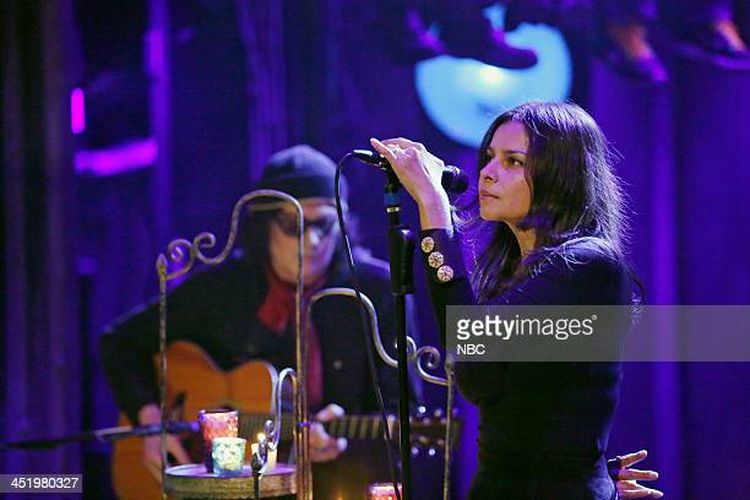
(462, 96)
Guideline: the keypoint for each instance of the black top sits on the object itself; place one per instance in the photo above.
(548, 419)
(217, 310)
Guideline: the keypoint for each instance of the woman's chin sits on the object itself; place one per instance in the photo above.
(489, 215)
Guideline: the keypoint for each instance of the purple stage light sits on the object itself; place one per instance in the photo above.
(77, 111)
(118, 159)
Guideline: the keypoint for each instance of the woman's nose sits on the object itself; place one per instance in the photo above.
(487, 175)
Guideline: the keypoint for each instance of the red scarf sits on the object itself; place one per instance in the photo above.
(277, 311)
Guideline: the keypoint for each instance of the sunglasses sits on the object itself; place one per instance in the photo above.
(288, 224)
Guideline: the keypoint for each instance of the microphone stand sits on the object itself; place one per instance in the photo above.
(401, 250)
(103, 435)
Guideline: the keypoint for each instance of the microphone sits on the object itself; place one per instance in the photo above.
(453, 180)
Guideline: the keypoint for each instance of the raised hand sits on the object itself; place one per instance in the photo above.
(420, 173)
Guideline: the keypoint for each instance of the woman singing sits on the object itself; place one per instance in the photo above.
(554, 211)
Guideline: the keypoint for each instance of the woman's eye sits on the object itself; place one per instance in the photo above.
(515, 162)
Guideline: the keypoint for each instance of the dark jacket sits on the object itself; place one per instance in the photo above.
(543, 426)
(217, 308)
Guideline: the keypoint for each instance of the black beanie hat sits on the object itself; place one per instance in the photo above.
(303, 172)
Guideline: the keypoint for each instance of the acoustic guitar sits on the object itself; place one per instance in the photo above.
(194, 382)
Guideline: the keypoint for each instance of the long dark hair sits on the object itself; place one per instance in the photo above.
(574, 193)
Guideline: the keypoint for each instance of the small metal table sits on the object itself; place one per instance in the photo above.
(192, 481)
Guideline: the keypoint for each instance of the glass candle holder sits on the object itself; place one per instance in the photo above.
(216, 423)
(228, 455)
(382, 491)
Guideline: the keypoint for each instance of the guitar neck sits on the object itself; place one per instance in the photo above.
(357, 427)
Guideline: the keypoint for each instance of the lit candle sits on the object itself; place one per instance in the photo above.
(271, 460)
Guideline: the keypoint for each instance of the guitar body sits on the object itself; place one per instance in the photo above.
(195, 379)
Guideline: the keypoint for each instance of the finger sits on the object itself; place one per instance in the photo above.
(323, 454)
(636, 490)
(633, 494)
(319, 438)
(179, 453)
(330, 412)
(397, 141)
(626, 485)
(641, 492)
(342, 444)
(405, 143)
(331, 450)
(335, 448)
(637, 475)
(411, 152)
(383, 150)
(632, 458)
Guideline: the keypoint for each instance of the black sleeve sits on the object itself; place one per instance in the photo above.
(129, 345)
(583, 273)
(446, 274)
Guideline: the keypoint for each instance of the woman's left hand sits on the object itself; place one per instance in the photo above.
(627, 478)
(420, 173)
